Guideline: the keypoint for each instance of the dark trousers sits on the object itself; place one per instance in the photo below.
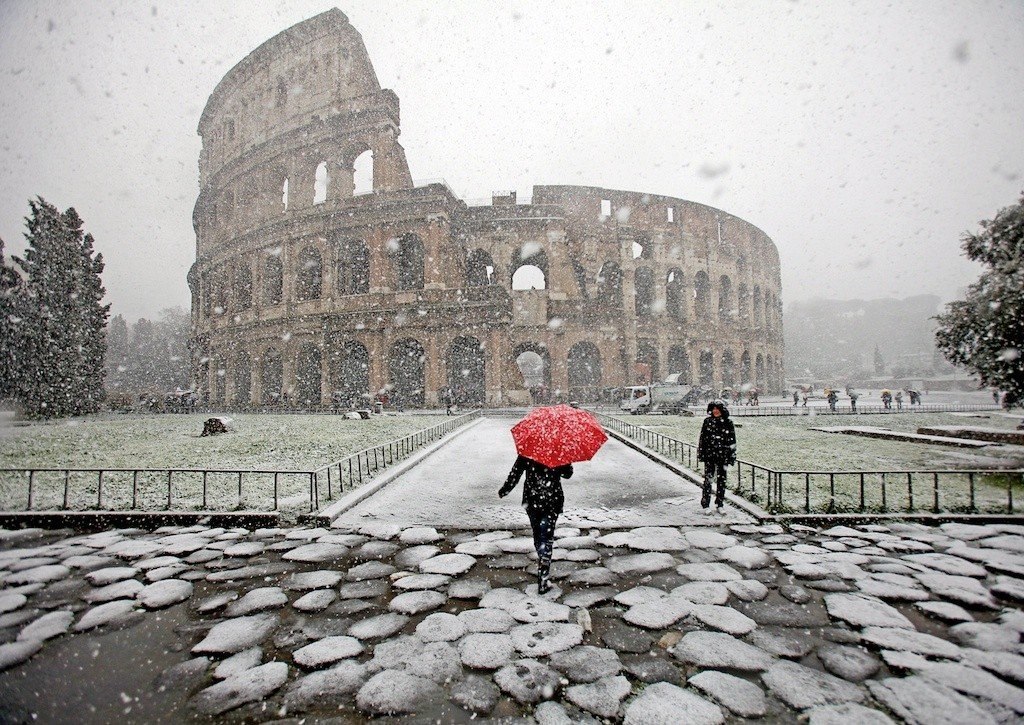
(543, 536)
(711, 470)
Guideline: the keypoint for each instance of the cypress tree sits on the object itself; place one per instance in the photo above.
(10, 325)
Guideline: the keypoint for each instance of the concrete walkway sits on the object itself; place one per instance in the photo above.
(456, 487)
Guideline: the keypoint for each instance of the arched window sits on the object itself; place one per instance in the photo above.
(743, 302)
(643, 284)
(528, 277)
(707, 367)
(307, 376)
(284, 195)
(728, 369)
(362, 174)
(584, 369)
(407, 363)
(273, 278)
(725, 311)
(466, 370)
(647, 355)
(407, 251)
(758, 309)
(243, 380)
(701, 294)
(674, 294)
(271, 377)
(320, 182)
(679, 362)
(350, 375)
(221, 290)
(353, 277)
(309, 277)
(745, 372)
(534, 365)
(609, 285)
(243, 285)
(479, 269)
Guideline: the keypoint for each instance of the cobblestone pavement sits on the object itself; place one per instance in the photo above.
(870, 624)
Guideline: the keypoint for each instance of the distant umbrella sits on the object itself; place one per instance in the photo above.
(558, 434)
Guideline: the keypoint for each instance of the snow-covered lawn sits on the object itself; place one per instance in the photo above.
(258, 442)
(788, 443)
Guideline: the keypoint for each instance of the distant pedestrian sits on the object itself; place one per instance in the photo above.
(995, 397)
(853, 401)
(899, 400)
(887, 400)
(832, 398)
(449, 400)
(796, 398)
(717, 448)
(806, 396)
(544, 499)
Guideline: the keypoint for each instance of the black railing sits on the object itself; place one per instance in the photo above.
(201, 489)
(933, 490)
(352, 471)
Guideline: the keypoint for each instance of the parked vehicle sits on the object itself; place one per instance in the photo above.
(659, 398)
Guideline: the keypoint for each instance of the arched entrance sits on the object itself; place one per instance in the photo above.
(466, 371)
(584, 370)
(349, 368)
(307, 376)
(406, 364)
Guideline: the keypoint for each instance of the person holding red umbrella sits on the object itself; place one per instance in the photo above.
(549, 440)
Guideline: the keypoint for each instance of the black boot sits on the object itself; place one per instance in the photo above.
(543, 578)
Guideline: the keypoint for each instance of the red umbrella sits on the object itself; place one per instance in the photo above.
(558, 434)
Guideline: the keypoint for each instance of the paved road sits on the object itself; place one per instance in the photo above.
(457, 487)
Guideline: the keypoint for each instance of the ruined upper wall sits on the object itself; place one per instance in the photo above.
(311, 71)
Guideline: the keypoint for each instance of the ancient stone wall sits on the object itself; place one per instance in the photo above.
(308, 294)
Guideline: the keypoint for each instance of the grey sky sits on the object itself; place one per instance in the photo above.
(863, 137)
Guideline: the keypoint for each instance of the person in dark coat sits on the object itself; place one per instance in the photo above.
(717, 448)
(543, 499)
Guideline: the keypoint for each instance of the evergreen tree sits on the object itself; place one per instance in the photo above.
(985, 331)
(10, 325)
(60, 353)
(879, 362)
(116, 361)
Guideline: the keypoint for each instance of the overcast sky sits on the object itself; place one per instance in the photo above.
(862, 137)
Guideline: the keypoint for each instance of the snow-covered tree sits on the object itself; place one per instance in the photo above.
(59, 359)
(985, 331)
(10, 324)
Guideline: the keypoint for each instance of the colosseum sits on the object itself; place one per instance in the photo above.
(309, 291)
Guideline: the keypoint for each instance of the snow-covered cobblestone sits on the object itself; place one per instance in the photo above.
(680, 623)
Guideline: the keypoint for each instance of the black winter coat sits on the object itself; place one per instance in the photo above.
(717, 440)
(542, 492)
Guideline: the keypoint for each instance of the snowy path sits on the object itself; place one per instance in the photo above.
(457, 487)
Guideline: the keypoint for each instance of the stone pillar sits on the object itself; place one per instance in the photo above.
(496, 352)
(434, 370)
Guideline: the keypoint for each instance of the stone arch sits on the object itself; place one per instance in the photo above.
(309, 275)
(363, 181)
(609, 285)
(273, 278)
(284, 195)
(271, 376)
(531, 254)
(647, 354)
(759, 371)
(242, 374)
(743, 302)
(467, 370)
(407, 364)
(408, 261)
(725, 309)
(242, 287)
(479, 269)
(701, 294)
(349, 371)
(707, 367)
(321, 180)
(353, 267)
(728, 369)
(534, 364)
(674, 294)
(679, 362)
(643, 284)
(584, 372)
(308, 372)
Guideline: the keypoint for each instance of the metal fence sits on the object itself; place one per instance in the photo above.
(780, 491)
(203, 489)
(739, 411)
(351, 472)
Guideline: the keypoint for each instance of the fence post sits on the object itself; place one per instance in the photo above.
(204, 488)
(970, 481)
(1009, 495)
(169, 473)
(885, 505)
(807, 492)
(910, 492)
(99, 490)
(135, 489)
(312, 492)
(935, 481)
(329, 482)
(832, 493)
(31, 477)
(67, 485)
(239, 488)
(275, 490)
